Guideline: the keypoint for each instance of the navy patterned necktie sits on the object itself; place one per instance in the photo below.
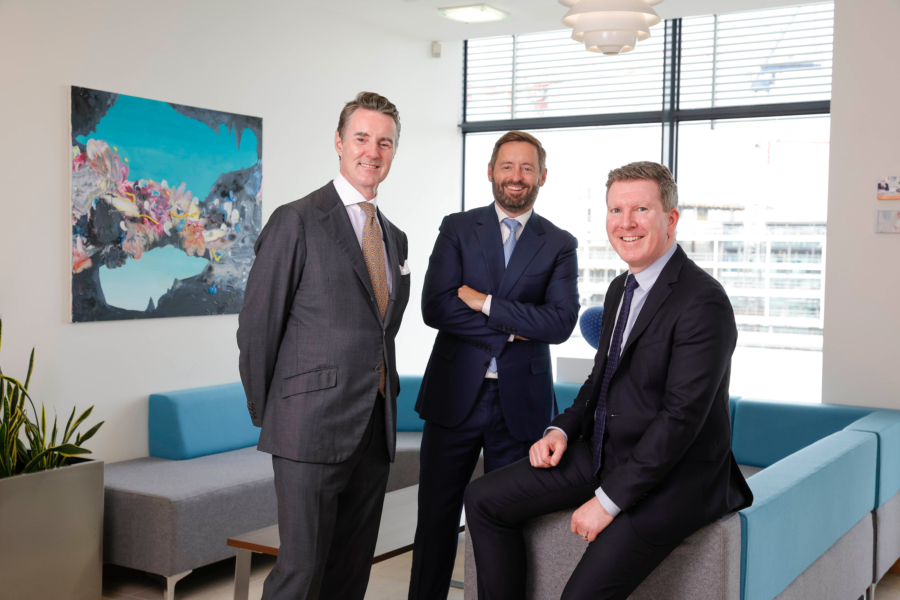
(612, 362)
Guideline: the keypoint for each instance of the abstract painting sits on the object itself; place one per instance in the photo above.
(166, 207)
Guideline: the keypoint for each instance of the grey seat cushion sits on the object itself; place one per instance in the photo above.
(167, 516)
(887, 536)
(706, 566)
(747, 471)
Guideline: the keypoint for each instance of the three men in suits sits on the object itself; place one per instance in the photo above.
(645, 450)
(323, 304)
(501, 286)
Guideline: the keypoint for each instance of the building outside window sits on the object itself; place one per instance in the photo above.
(745, 130)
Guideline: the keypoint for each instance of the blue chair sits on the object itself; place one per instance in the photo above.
(590, 322)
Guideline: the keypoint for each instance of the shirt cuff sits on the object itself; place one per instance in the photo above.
(486, 307)
(608, 504)
(558, 429)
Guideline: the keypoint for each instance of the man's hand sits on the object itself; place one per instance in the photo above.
(590, 519)
(519, 337)
(474, 300)
(548, 450)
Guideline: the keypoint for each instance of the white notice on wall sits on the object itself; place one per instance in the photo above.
(887, 221)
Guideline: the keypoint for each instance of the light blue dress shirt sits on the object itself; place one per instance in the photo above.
(645, 280)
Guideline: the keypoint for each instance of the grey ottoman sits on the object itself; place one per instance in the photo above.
(169, 517)
(706, 566)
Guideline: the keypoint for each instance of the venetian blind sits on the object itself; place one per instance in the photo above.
(759, 57)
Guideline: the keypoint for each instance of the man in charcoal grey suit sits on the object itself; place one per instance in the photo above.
(323, 305)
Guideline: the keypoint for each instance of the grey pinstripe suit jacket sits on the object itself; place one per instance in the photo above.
(310, 334)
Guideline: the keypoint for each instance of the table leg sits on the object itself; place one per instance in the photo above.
(242, 575)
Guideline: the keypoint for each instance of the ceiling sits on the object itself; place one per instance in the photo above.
(420, 18)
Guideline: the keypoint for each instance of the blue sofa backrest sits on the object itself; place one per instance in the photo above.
(407, 417)
(196, 422)
(765, 432)
(565, 394)
(801, 506)
(886, 425)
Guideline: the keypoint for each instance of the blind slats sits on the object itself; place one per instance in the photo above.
(758, 57)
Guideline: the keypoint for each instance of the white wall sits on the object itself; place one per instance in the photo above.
(285, 61)
(862, 312)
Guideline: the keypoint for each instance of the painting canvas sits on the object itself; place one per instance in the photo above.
(166, 207)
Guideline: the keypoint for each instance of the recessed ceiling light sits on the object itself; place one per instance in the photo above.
(480, 13)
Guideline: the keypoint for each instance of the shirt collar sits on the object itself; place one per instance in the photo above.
(350, 195)
(648, 276)
(522, 219)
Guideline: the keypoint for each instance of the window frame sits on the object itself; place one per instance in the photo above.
(670, 116)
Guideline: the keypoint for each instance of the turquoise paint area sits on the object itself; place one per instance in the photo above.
(162, 144)
(135, 283)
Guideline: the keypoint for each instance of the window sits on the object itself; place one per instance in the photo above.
(737, 106)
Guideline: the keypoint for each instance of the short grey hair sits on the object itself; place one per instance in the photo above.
(369, 101)
(649, 171)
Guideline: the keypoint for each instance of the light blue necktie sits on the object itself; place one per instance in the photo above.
(508, 248)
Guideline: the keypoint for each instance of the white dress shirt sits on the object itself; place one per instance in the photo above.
(504, 235)
(645, 280)
(351, 198)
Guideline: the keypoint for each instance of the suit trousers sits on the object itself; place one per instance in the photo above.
(328, 520)
(447, 460)
(612, 566)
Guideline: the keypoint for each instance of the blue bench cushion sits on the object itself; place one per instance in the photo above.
(801, 506)
(409, 420)
(201, 421)
(565, 394)
(732, 408)
(886, 425)
(766, 432)
(407, 417)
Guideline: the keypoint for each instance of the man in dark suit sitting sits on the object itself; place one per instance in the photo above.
(501, 286)
(645, 450)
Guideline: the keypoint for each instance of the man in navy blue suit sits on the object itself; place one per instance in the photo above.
(501, 287)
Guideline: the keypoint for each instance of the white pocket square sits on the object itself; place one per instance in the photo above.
(404, 268)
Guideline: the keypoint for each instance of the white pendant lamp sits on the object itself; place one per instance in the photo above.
(610, 26)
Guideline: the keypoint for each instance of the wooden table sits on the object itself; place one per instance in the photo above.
(395, 537)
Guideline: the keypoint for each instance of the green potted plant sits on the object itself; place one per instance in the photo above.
(51, 501)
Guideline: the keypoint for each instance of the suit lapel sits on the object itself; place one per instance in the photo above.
(613, 298)
(527, 247)
(657, 295)
(393, 253)
(337, 224)
(488, 234)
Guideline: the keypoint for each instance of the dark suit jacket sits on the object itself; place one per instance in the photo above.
(536, 297)
(310, 334)
(667, 460)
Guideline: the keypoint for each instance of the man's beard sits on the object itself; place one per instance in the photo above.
(510, 204)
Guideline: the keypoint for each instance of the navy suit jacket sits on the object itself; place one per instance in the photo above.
(667, 460)
(535, 296)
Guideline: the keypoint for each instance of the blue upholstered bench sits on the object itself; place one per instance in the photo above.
(204, 480)
(885, 424)
(825, 478)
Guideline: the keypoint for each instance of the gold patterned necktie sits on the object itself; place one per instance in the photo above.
(373, 253)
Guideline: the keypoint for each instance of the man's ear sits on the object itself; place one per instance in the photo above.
(543, 178)
(338, 144)
(490, 173)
